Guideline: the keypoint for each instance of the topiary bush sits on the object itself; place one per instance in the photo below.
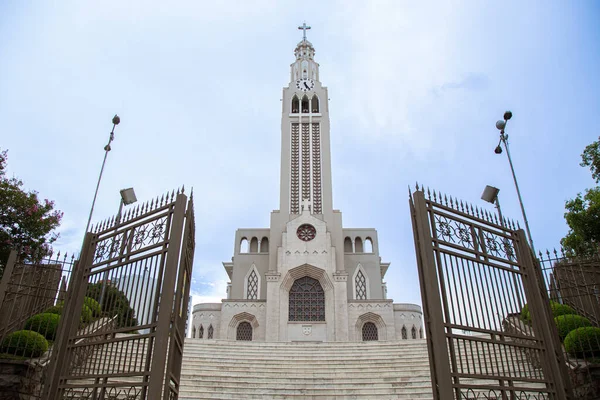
(57, 309)
(93, 305)
(24, 343)
(45, 324)
(557, 310)
(568, 322)
(583, 342)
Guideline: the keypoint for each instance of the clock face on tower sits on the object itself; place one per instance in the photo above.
(305, 84)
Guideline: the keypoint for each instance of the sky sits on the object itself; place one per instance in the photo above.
(415, 90)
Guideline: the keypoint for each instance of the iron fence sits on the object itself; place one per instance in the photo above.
(31, 294)
(574, 283)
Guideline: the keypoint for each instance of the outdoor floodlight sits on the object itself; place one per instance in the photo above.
(498, 150)
(128, 196)
(490, 194)
(116, 119)
(507, 115)
(500, 124)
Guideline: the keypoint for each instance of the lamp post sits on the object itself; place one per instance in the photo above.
(501, 125)
(116, 120)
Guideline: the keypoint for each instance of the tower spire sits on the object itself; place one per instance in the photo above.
(304, 27)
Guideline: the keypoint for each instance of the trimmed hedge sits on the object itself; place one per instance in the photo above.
(583, 342)
(567, 323)
(93, 305)
(557, 310)
(91, 308)
(45, 324)
(24, 343)
(57, 309)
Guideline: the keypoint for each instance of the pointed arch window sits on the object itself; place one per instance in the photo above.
(420, 333)
(244, 331)
(413, 332)
(193, 332)
(305, 108)
(369, 332)
(361, 284)
(252, 287)
(314, 102)
(307, 300)
(201, 332)
(211, 331)
(295, 104)
(404, 333)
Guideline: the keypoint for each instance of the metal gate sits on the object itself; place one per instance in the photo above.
(138, 269)
(476, 274)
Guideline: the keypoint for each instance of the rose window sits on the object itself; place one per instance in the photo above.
(306, 232)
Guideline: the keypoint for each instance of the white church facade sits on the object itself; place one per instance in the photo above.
(306, 277)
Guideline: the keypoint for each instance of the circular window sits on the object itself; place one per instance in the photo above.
(306, 232)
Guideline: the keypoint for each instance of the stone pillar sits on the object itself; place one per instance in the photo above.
(272, 319)
(340, 290)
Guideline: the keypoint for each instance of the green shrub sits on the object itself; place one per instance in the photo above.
(93, 305)
(567, 323)
(583, 342)
(557, 310)
(24, 343)
(86, 315)
(45, 324)
(57, 309)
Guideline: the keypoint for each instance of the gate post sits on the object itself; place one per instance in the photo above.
(69, 321)
(432, 303)
(8, 269)
(167, 298)
(553, 362)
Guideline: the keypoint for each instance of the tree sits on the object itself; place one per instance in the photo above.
(25, 222)
(583, 212)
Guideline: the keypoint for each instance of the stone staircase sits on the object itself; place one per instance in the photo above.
(222, 369)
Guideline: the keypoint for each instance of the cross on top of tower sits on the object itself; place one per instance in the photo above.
(304, 27)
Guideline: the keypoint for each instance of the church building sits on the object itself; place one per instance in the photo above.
(306, 277)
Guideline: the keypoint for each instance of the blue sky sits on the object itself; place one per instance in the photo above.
(415, 90)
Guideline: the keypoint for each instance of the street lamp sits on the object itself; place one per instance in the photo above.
(127, 198)
(116, 120)
(490, 194)
(501, 125)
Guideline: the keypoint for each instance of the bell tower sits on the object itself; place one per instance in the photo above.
(305, 152)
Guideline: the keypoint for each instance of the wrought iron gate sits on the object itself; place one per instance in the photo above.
(476, 273)
(138, 268)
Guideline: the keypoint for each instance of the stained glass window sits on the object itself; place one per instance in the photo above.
(252, 291)
(361, 286)
(201, 332)
(244, 331)
(307, 300)
(210, 332)
(404, 335)
(369, 332)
